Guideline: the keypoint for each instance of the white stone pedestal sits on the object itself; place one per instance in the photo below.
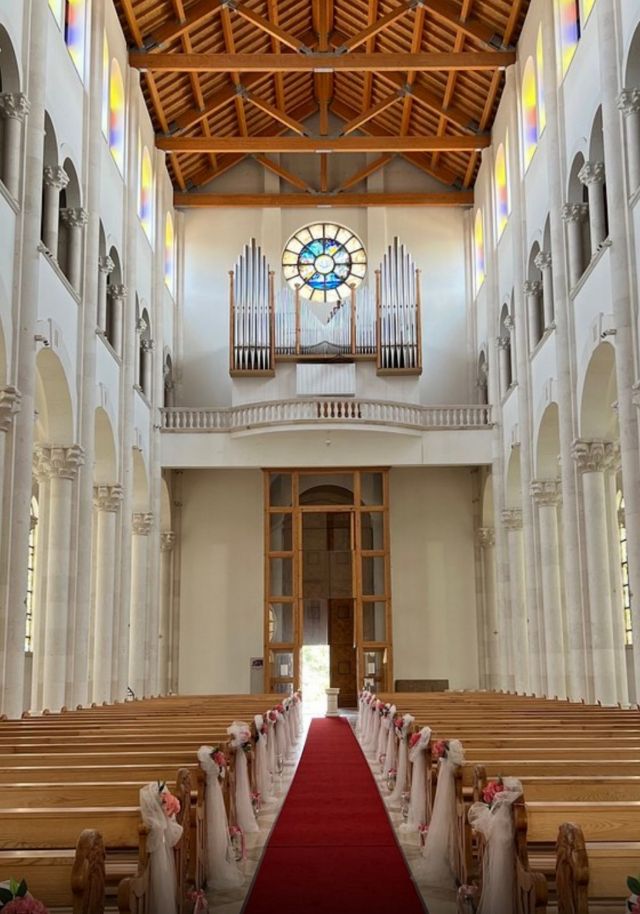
(332, 702)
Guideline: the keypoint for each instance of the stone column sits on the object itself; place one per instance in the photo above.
(487, 540)
(107, 500)
(60, 465)
(55, 180)
(9, 405)
(75, 220)
(118, 293)
(14, 107)
(546, 495)
(512, 520)
(147, 347)
(531, 291)
(593, 459)
(504, 368)
(573, 215)
(138, 620)
(167, 542)
(614, 518)
(543, 263)
(592, 176)
(141, 326)
(629, 104)
(105, 267)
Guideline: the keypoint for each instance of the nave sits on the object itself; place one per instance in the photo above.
(500, 802)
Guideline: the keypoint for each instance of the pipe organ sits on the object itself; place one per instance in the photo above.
(381, 323)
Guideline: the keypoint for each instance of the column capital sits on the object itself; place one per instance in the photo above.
(10, 398)
(58, 462)
(75, 218)
(141, 523)
(531, 287)
(574, 212)
(545, 492)
(595, 456)
(503, 342)
(486, 537)
(167, 540)
(543, 260)
(15, 105)
(509, 322)
(106, 264)
(117, 290)
(55, 176)
(629, 101)
(141, 325)
(512, 518)
(107, 496)
(591, 173)
(147, 345)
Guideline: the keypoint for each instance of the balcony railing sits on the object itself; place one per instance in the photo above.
(323, 410)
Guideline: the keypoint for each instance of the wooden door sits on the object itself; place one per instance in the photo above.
(342, 652)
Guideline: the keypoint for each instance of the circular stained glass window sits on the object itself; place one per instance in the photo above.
(324, 260)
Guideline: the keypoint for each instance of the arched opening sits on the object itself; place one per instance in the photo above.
(505, 351)
(548, 444)
(145, 193)
(12, 112)
(598, 410)
(501, 180)
(478, 243)
(534, 298)
(578, 228)
(168, 381)
(529, 101)
(70, 227)
(169, 254)
(482, 381)
(113, 304)
(74, 32)
(116, 114)
(105, 470)
(145, 357)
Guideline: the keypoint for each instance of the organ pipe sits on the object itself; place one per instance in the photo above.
(398, 312)
(251, 313)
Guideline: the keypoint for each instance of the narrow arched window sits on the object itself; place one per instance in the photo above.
(542, 109)
(74, 32)
(105, 86)
(587, 6)
(116, 114)
(478, 240)
(529, 112)
(503, 206)
(569, 24)
(145, 192)
(169, 253)
(56, 9)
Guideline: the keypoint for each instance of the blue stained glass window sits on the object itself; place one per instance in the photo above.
(323, 261)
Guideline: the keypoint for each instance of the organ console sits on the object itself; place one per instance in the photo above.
(381, 324)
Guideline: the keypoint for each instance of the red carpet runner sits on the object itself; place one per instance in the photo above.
(332, 849)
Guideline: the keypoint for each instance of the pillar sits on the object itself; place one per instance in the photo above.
(105, 267)
(629, 104)
(543, 263)
(615, 517)
(75, 220)
(106, 500)
(60, 465)
(118, 293)
(138, 619)
(573, 215)
(14, 107)
(592, 176)
(512, 520)
(9, 406)
(546, 495)
(531, 291)
(487, 540)
(167, 542)
(147, 366)
(55, 180)
(593, 459)
(141, 326)
(504, 367)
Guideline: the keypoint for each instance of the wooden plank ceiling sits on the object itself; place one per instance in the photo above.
(418, 79)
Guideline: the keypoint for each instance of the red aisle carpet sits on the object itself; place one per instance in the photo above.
(332, 849)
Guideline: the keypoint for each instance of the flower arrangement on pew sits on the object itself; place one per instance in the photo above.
(633, 902)
(491, 790)
(170, 803)
(15, 899)
(219, 759)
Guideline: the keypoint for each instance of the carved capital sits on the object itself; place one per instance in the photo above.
(141, 325)
(147, 345)
(74, 218)
(117, 290)
(167, 541)
(531, 287)
(509, 322)
(10, 398)
(486, 537)
(59, 462)
(106, 264)
(629, 101)
(591, 173)
(546, 492)
(575, 212)
(15, 105)
(595, 456)
(512, 518)
(503, 342)
(141, 524)
(107, 497)
(55, 176)
(543, 260)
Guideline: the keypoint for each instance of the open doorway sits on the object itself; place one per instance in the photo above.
(315, 677)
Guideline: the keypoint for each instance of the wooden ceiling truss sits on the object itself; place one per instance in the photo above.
(227, 79)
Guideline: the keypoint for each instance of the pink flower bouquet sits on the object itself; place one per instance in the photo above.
(492, 789)
(440, 749)
(170, 804)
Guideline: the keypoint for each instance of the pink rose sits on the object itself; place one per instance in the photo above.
(440, 749)
(220, 759)
(491, 790)
(398, 723)
(26, 905)
(415, 738)
(280, 708)
(170, 804)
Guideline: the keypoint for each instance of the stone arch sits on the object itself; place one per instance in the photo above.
(70, 200)
(51, 156)
(165, 505)
(106, 462)
(577, 194)
(113, 279)
(482, 380)
(534, 303)
(168, 379)
(488, 518)
(598, 414)
(513, 493)
(9, 66)
(140, 483)
(632, 63)
(596, 155)
(547, 450)
(144, 356)
(504, 333)
(54, 411)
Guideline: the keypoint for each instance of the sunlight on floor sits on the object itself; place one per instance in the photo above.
(314, 659)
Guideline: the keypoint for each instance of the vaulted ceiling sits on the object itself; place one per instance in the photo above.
(228, 78)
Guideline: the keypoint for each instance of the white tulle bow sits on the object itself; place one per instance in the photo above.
(164, 834)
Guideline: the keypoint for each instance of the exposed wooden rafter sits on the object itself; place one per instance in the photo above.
(452, 198)
(306, 144)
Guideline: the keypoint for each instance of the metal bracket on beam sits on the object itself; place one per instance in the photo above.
(242, 91)
(173, 128)
(405, 90)
(414, 4)
(474, 126)
(229, 4)
(496, 42)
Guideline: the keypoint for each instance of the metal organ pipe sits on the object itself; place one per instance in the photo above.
(398, 310)
(251, 305)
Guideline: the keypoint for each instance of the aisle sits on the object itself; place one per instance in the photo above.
(333, 848)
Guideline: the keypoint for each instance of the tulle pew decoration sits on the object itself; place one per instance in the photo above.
(242, 745)
(402, 726)
(391, 745)
(221, 869)
(386, 718)
(371, 746)
(367, 702)
(418, 814)
(262, 772)
(158, 808)
(440, 865)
